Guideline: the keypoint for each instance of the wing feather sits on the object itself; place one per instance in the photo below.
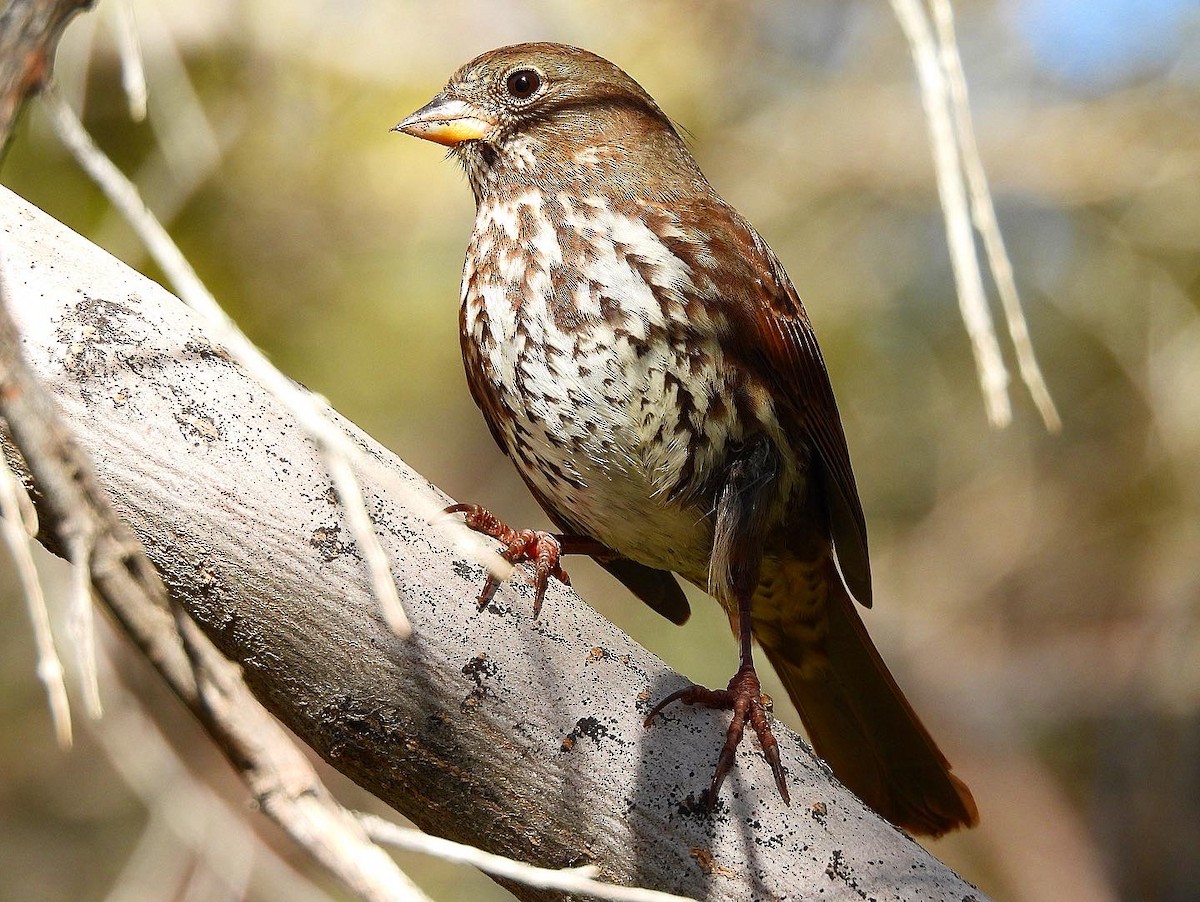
(775, 328)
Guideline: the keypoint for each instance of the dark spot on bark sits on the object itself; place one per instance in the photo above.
(328, 542)
(479, 669)
(696, 805)
(839, 869)
(468, 572)
(589, 727)
(202, 350)
(196, 423)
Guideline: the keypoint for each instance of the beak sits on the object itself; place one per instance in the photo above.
(449, 121)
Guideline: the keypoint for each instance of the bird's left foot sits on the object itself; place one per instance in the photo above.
(541, 549)
(744, 698)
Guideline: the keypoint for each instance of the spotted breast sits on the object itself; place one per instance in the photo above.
(599, 369)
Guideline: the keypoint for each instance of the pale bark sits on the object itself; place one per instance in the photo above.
(464, 727)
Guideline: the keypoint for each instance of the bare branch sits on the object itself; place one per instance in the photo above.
(133, 72)
(73, 506)
(82, 623)
(569, 880)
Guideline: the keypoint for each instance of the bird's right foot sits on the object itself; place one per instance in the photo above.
(743, 696)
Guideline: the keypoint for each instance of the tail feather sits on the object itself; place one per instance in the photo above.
(861, 724)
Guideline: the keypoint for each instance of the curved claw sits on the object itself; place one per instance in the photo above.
(770, 747)
(547, 553)
(733, 736)
(540, 548)
(744, 698)
(490, 585)
(692, 695)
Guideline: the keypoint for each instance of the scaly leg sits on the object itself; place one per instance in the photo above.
(743, 696)
(739, 533)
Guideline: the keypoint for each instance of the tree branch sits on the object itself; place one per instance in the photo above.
(29, 33)
(521, 737)
(80, 518)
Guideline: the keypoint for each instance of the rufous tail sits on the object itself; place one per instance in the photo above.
(860, 722)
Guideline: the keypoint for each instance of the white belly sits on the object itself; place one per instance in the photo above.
(620, 444)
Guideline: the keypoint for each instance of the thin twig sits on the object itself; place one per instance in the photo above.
(983, 212)
(82, 621)
(570, 880)
(188, 140)
(972, 299)
(133, 72)
(49, 665)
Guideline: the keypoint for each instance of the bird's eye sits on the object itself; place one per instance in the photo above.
(523, 83)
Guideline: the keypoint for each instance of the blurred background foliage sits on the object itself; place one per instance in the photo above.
(1037, 594)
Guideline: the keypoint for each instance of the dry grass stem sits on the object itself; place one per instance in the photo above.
(83, 622)
(580, 880)
(49, 665)
(972, 299)
(983, 212)
(133, 71)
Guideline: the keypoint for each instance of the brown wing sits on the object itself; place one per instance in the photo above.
(774, 327)
(657, 588)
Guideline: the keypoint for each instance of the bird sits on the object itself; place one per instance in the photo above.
(639, 353)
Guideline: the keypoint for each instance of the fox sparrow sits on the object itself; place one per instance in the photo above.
(640, 354)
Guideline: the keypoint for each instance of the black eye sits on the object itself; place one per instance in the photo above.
(523, 83)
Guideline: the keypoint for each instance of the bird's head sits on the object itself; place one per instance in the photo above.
(537, 113)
